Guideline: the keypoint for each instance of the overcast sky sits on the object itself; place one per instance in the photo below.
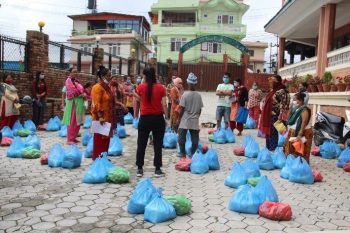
(17, 16)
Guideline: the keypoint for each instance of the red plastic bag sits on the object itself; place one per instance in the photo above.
(6, 141)
(317, 176)
(44, 159)
(183, 164)
(42, 127)
(275, 211)
(211, 131)
(204, 148)
(315, 151)
(346, 167)
(239, 151)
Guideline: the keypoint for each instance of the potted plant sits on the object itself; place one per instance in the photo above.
(318, 83)
(341, 84)
(312, 84)
(333, 85)
(326, 81)
(347, 82)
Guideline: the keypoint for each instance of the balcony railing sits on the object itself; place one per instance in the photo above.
(339, 58)
(228, 28)
(184, 24)
(307, 66)
(102, 31)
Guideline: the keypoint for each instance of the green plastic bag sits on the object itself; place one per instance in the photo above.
(181, 204)
(30, 153)
(253, 181)
(118, 176)
(211, 138)
(24, 132)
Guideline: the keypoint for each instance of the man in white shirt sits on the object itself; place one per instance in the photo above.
(223, 109)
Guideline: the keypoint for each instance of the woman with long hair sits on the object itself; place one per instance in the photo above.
(39, 92)
(102, 110)
(255, 97)
(9, 105)
(120, 108)
(175, 96)
(75, 109)
(239, 100)
(276, 102)
(153, 108)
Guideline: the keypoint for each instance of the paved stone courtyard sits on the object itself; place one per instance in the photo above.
(35, 198)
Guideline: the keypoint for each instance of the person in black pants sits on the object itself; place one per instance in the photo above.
(39, 90)
(153, 110)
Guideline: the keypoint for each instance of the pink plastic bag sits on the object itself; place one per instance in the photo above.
(183, 164)
(239, 151)
(317, 176)
(275, 211)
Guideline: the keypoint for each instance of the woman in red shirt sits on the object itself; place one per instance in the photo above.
(153, 107)
(39, 90)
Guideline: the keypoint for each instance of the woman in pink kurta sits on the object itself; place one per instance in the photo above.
(255, 97)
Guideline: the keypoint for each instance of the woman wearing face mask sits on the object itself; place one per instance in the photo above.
(102, 109)
(300, 127)
(39, 90)
(9, 105)
(175, 96)
(120, 107)
(276, 102)
(129, 87)
(75, 110)
(136, 100)
(255, 97)
(240, 99)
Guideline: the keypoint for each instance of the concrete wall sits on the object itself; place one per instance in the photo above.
(79, 25)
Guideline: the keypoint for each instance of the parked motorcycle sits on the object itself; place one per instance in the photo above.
(332, 127)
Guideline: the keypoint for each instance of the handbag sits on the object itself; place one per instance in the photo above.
(280, 127)
(242, 115)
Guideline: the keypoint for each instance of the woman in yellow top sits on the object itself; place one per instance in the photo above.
(9, 103)
(102, 110)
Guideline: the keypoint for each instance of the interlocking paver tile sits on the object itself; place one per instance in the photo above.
(44, 226)
(66, 223)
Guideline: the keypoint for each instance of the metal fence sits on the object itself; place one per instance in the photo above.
(13, 54)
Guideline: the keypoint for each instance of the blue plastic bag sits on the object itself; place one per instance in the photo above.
(115, 146)
(32, 141)
(265, 190)
(286, 169)
(72, 157)
(344, 157)
(7, 132)
(199, 164)
(121, 131)
(63, 131)
(89, 148)
(230, 137)
(87, 122)
(29, 125)
(56, 156)
(159, 209)
(142, 195)
(53, 125)
(86, 138)
(242, 115)
(252, 149)
(17, 126)
(264, 160)
(279, 158)
(57, 120)
(245, 200)
(212, 159)
(16, 148)
(220, 136)
(250, 124)
(237, 176)
(300, 172)
(135, 123)
(98, 171)
(281, 139)
(247, 139)
(170, 139)
(329, 150)
(251, 168)
(128, 118)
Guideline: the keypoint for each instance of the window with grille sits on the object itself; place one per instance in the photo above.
(214, 47)
(115, 69)
(114, 49)
(231, 19)
(86, 48)
(177, 43)
(219, 19)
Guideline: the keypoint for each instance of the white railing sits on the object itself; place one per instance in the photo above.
(223, 28)
(307, 66)
(339, 58)
(185, 24)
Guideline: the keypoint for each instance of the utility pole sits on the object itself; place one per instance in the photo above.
(272, 55)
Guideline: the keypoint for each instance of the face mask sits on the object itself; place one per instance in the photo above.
(235, 84)
(41, 76)
(138, 81)
(255, 87)
(295, 103)
(128, 81)
(226, 80)
(105, 81)
(9, 82)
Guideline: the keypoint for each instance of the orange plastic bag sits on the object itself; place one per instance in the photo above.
(275, 211)
(299, 146)
(315, 151)
(6, 141)
(239, 151)
(44, 159)
(183, 164)
(346, 167)
(317, 176)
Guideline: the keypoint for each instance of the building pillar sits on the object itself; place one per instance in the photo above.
(281, 48)
(292, 58)
(169, 71)
(245, 62)
(302, 55)
(98, 55)
(179, 64)
(325, 36)
(38, 58)
(225, 62)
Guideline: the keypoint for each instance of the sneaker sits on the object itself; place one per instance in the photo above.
(139, 173)
(159, 173)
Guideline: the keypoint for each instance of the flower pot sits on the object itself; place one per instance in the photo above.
(341, 87)
(326, 87)
(319, 88)
(348, 87)
(313, 88)
(334, 88)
